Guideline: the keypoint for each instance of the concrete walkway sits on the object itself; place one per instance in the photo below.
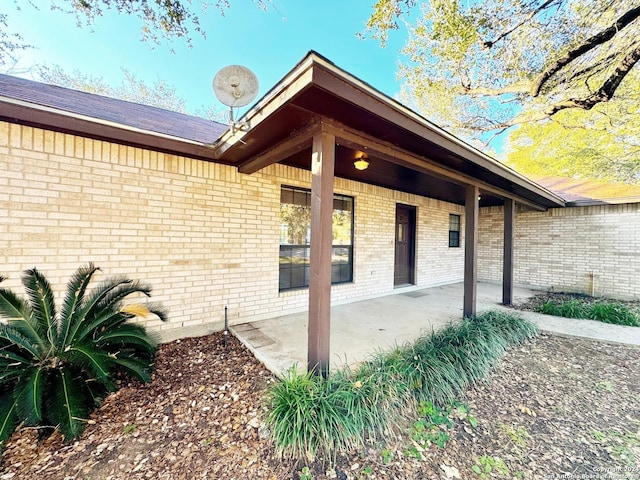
(360, 329)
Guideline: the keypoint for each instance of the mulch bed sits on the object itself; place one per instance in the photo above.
(555, 406)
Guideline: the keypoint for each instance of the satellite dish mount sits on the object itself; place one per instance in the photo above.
(235, 86)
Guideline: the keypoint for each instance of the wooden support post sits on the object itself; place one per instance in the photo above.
(470, 250)
(507, 259)
(322, 172)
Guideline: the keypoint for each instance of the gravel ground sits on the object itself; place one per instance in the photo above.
(553, 408)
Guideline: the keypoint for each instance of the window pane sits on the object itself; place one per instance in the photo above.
(286, 195)
(454, 222)
(454, 230)
(295, 238)
(294, 266)
(342, 221)
(295, 224)
(341, 255)
(454, 239)
(341, 265)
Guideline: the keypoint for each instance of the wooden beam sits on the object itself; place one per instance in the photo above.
(470, 249)
(389, 152)
(507, 258)
(291, 145)
(360, 94)
(322, 175)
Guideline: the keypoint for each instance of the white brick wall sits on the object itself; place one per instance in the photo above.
(203, 235)
(560, 249)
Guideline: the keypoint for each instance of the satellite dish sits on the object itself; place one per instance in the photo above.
(235, 86)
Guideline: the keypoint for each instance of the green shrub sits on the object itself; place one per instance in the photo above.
(512, 328)
(569, 309)
(56, 367)
(601, 310)
(309, 416)
(616, 313)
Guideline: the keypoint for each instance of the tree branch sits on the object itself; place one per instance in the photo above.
(589, 44)
(485, 124)
(485, 92)
(491, 43)
(606, 91)
(590, 70)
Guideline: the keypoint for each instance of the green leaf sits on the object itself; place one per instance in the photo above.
(72, 302)
(139, 368)
(12, 307)
(90, 358)
(106, 320)
(472, 421)
(9, 356)
(8, 417)
(42, 304)
(18, 341)
(127, 335)
(69, 407)
(96, 391)
(30, 394)
(18, 314)
(577, 145)
(105, 312)
(116, 291)
(58, 368)
(92, 311)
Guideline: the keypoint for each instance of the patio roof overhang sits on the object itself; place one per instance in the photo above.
(320, 118)
(406, 152)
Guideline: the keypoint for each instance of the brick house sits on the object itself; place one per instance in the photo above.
(215, 217)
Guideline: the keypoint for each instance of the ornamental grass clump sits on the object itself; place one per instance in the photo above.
(513, 329)
(593, 309)
(56, 366)
(310, 417)
(569, 309)
(615, 313)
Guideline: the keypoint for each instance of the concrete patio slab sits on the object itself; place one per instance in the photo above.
(360, 329)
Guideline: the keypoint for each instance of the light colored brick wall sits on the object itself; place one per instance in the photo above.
(203, 235)
(560, 249)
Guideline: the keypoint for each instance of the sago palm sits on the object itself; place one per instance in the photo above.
(57, 366)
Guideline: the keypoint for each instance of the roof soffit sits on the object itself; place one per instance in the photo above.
(329, 95)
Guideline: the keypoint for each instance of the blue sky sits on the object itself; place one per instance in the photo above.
(268, 42)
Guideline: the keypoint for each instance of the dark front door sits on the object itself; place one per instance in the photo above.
(405, 245)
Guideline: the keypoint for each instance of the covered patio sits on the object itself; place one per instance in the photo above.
(360, 329)
(321, 119)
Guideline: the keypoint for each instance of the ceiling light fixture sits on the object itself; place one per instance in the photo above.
(361, 162)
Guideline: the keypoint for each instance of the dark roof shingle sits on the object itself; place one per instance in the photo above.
(143, 117)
